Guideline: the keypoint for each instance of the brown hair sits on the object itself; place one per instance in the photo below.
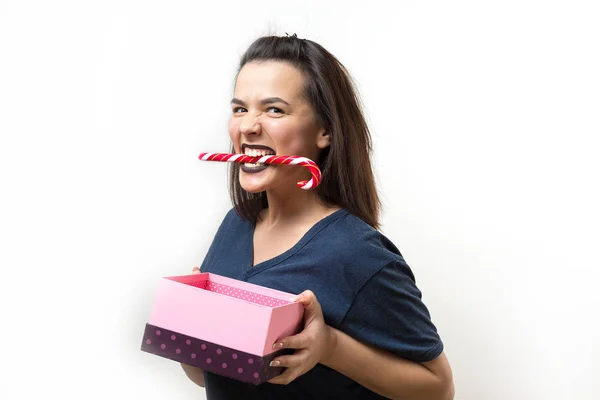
(347, 174)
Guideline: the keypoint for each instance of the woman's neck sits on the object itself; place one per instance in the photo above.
(295, 206)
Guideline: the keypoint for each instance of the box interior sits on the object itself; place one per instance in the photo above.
(231, 291)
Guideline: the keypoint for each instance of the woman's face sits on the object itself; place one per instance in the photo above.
(271, 116)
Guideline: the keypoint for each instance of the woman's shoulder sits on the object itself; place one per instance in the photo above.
(350, 229)
(357, 245)
(233, 220)
(231, 223)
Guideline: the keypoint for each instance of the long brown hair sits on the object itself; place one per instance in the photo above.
(347, 174)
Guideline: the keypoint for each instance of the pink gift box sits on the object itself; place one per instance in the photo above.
(221, 325)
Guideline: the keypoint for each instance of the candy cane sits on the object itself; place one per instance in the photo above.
(290, 160)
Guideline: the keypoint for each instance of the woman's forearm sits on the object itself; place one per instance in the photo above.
(388, 375)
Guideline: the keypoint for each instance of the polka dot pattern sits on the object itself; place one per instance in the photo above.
(211, 357)
(239, 293)
(201, 284)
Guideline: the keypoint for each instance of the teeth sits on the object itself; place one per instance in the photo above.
(257, 152)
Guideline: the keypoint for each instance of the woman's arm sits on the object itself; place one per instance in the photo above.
(377, 370)
(388, 375)
(195, 374)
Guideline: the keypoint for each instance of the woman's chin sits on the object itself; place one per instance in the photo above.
(255, 181)
(252, 186)
(252, 189)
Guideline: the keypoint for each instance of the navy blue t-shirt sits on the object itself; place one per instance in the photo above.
(362, 282)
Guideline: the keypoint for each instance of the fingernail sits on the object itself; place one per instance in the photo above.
(278, 345)
(296, 299)
(274, 364)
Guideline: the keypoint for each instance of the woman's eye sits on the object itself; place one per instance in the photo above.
(275, 110)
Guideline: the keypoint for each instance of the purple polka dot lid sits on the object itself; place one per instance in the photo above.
(209, 356)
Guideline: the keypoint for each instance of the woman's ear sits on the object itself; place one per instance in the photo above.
(323, 139)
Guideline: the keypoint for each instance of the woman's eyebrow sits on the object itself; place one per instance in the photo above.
(268, 100)
(271, 100)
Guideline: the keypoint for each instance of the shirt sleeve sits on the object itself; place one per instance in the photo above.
(388, 313)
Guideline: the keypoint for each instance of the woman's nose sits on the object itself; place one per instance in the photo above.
(250, 125)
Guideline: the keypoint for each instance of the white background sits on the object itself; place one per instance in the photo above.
(485, 118)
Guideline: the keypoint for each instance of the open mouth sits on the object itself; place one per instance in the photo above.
(256, 150)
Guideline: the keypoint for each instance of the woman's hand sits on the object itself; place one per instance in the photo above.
(313, 345)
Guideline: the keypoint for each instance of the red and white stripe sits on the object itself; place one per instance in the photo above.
(291, 160)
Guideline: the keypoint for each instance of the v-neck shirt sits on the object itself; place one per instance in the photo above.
(360, 278)
(246, 239)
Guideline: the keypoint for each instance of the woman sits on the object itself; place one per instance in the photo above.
(366, 332)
